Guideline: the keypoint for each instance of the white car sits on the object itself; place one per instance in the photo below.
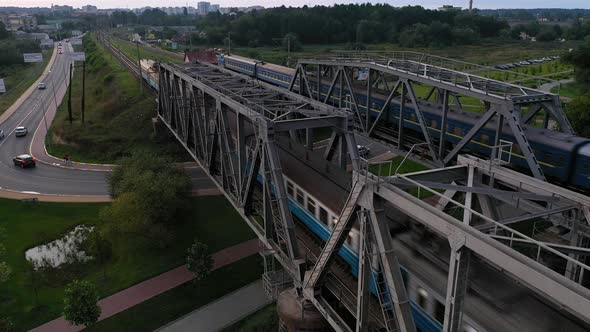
(20, 131)
(1, 134)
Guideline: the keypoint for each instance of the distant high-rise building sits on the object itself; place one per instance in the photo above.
(89, 8)
(203, 7)
(66, 9)
(214, 8)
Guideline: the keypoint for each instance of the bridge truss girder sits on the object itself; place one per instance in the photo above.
(235, 142)
(229, 125)
(502, 101)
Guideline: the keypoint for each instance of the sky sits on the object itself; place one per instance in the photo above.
(273, 3)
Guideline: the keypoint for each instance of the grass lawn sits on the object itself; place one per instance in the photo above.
(18, 78)
(263, 320)
(118, 117)
(570, 90)
(183, 299)
(212, 221)
(408, 166)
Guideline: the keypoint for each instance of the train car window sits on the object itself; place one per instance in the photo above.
(439, 312)
(548, 156)
(586, 167)
(458, 131)
(485, 139)
(290, 189)
(422, 297)
(300, 197)
(311, 206)
(434, 124)
(560, 160)
(323, 215)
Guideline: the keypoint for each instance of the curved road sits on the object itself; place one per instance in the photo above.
(44, 178)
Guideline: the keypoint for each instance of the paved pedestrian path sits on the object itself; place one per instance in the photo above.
(222, 312)
(145, 290)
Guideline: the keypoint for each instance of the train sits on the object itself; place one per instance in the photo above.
(564, 158)
(498, 305)
(315, 202)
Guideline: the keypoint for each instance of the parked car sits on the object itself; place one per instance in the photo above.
(1, 134)
(41, 86)
(24, 160)
(20, 131)
(67, 40)
(60, 51)
(59, 44)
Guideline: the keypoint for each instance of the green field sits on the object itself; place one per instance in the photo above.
(18, 78)
(570, 90)
(388, 169)
(118, 117)
(183, 299)
(27, 225)
(263, 320)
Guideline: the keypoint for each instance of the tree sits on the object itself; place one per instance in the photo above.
(81, 303)
(577, 112)
(580, 58)
(150, 194)
(546, 34)
(99, 247)
(3, 32)
(199, 260)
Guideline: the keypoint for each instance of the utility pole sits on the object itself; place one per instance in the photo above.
(83, 88)
(229, 43)
(288, 49)
(70, 96)
(139, 67)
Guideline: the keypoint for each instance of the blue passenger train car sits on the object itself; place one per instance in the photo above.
(564, 158)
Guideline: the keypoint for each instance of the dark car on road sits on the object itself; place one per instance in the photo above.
(24, 160)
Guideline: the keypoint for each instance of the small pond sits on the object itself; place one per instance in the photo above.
(60, 251)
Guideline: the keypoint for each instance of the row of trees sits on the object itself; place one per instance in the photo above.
(545, 32)
(578, 109)
(364, 23)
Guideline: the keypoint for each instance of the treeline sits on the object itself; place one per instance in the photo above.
(13, 49)
(551, 14)
(364, 23)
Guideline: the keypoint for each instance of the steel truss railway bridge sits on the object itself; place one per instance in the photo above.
(398, 73)
(232, 124)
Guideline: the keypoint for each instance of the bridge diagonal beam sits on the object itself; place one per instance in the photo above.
(390, 266)
(385, 105)
(339, 234)
(421, 120)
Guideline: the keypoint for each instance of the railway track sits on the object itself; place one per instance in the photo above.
(125, 60)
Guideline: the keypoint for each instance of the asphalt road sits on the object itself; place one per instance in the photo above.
(44, 178)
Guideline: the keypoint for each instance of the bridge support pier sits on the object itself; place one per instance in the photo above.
(298, 314)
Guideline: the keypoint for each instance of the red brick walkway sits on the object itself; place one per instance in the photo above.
(143, 291)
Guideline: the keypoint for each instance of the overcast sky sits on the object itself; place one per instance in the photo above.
(272, 3)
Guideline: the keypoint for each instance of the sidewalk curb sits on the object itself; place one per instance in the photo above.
(43, 197)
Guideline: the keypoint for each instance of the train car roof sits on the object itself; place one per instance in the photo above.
(277, 68)
(241, 58)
